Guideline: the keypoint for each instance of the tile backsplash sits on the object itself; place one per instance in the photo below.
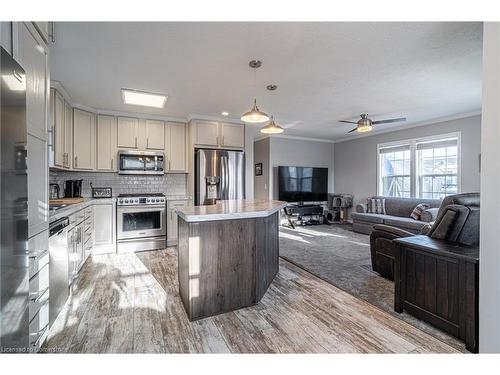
(168, 184)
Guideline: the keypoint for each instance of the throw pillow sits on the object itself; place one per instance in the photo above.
(376, 206)
(417, 211)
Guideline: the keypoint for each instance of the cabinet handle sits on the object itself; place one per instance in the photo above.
(169, 165)
(217, 140)
(111, 163)
(136, 142)
(76, 161)
(147, 142)
(223, 140)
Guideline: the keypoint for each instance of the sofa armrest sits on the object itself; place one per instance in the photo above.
(362, 208)
(391, 231)
(429, 215)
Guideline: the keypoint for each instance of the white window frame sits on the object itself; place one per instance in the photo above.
(413, 159)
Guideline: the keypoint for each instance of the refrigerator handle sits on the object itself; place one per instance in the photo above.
(224, 177)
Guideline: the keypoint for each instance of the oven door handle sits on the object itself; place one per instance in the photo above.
(141, 209)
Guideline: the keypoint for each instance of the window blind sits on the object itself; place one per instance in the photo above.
(396, 148)
(437, 144)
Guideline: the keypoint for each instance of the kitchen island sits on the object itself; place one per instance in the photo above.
(228, 254)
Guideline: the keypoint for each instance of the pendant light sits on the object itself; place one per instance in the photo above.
(255, 115)
(272, 128)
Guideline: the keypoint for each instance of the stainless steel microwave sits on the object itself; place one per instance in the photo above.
(141, 162)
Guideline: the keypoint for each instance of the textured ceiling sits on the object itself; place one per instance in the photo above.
(325, 72)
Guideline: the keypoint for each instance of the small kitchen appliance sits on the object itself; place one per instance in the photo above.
(73, 188)
(101, 192)
(54, 191)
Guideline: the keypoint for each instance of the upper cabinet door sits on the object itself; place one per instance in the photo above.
(127, 132)
(106, 143)
(176, 148)
(155, 135)
(206, 133)
(32, 55)
(43, 28)
(233, 135)
(68, 134)
(59, 130)
(83, 140)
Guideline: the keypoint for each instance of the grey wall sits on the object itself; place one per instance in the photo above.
(273, 152)
(301, 153)
(356, 160)
(261, 154)
(168, 184)
(489, 252)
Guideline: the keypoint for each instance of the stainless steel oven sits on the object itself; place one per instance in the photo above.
(141, 222)
(141, 162)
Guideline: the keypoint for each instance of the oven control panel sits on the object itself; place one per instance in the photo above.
(139, 201)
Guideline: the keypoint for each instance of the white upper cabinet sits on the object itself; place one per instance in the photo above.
(218, 134)
(175, 147)
(84, 139)
(58, 128)
(206, 133)
(106, 143)
(68, 134)
(32, 55)
(127, 129)
(233, 135)
(155, 135)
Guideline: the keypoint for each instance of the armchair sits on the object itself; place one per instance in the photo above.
(457, 221)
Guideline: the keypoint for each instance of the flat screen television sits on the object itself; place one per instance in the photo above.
(302, 184)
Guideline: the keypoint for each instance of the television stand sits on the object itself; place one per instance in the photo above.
(313, 213)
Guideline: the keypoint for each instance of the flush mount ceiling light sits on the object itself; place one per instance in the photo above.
(225, 113)
(143, 98)
(272, 128)
(255, 115)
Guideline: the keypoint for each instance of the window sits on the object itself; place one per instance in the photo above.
(423, 168)
(395, 171)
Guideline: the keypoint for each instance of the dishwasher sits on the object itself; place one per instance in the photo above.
(58, 267)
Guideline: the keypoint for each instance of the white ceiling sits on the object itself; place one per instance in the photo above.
(325, 72)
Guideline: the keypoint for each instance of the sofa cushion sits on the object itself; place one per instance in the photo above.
(376, 206)
(369, 218)
(404, 206)
(404, 222)
(417, 211)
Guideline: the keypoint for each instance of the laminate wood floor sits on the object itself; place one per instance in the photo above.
(129, 303)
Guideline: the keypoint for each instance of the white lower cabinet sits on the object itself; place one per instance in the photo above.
(104, 228)
(172, 221)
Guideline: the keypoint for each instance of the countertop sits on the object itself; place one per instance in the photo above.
(230, 209)
(73, 208)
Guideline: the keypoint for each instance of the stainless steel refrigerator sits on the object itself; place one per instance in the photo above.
(219, 175)
(14, 272)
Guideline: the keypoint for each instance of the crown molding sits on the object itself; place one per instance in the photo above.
(437, 120)
(196, 116)
(293, 137)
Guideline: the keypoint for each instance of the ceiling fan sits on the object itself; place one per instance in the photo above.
(364, 124)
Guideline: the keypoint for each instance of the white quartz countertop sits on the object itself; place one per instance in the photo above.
(230, 209)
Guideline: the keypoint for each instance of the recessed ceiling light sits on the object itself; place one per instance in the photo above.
(225, 113)
(143, 98)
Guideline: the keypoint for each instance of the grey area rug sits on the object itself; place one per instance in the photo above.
(341, 257)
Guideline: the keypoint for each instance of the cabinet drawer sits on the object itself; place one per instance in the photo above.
(88, 213)
(37, 302)
(39, 283)
(38, 252)
(39, 327)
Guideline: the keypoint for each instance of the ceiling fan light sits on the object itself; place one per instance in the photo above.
(364, 128)
(272, 128)
(255, 116)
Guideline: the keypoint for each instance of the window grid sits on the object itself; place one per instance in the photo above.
(434, 176)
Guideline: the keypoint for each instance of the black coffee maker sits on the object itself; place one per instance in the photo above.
(73, 188)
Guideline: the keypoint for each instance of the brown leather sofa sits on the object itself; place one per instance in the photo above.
(457, 221)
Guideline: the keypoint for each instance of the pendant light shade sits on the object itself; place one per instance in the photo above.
(272, 128)
(255, 116)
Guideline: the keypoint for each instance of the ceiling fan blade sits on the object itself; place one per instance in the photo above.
(389, 120)
(348, 122)
(353, 130)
